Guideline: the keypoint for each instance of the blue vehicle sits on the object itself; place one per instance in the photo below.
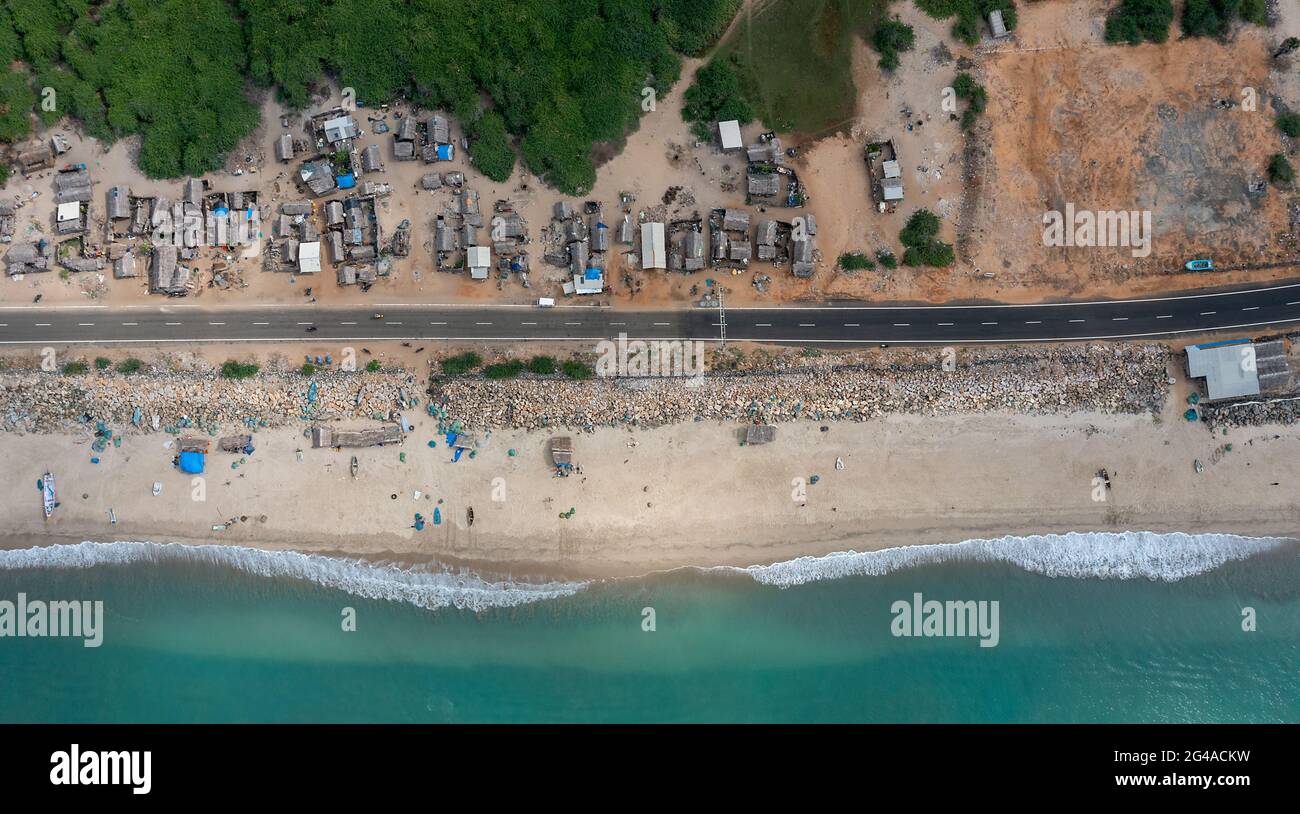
(1199, 265)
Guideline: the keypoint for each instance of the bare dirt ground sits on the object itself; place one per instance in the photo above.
(1070, 119)
(1155, 127)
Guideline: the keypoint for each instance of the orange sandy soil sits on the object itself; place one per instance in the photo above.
(1069, 119)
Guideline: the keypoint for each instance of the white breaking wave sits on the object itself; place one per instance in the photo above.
(1079, 555)
(425, 589)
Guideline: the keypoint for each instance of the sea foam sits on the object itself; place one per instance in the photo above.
(423, 588)
(1077, 555)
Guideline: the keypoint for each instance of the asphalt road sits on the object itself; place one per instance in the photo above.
(1246, 310)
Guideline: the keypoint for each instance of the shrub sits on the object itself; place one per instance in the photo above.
(1280, 170)
(1136, 21)
(373, 366)
(75, 368)
(920, 239)
(1289, 123)
(308, 369)
(542, 365)
(1213, 18)
(886, 258)
(966, 88)
(504, 370)
(855, 261)
(891, 37)
(234, 370)
(464, 363)
(129, 365)
(576, 369)
(102, 363)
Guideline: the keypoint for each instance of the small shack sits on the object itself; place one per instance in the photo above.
(562, 452)
(242, 444)
(759, 434)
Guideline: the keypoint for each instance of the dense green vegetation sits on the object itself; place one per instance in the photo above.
(1136, 21)
(491, 149)
(1213, 18)
(234, 370)
(542, 365)
(1280, 170)
(890, 38)
(577, 369)
(793, 61)
(855, 261)
(887, 259)
(373, 366)
(715, 97)
(1289, 123)
(556, 76)
(129, 365)
(920, 237)
(75, 368)
(102, 362)
(504, 370)
(973, 93)
(970, 14)
(463, 363)
(308, 369)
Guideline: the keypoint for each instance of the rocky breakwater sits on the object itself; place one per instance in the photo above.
(32, 400)
(852, 387)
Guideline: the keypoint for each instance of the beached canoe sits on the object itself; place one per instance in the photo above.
(49, 494)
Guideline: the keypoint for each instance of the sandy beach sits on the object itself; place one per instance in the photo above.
(655, 499)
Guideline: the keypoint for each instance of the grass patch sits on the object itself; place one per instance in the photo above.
(307, 369)
(794, 60)
(237, 370)
(461, 364)
(373, 366)
(1289, 123)
(102, 362)
(129, 365)
(887, 259)
(75, 368)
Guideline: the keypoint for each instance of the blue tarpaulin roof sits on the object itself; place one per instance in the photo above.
(347, 181)
(192, 462)
(445, 152)
(593, 274)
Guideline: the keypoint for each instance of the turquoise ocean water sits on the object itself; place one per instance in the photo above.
(1133, 627)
